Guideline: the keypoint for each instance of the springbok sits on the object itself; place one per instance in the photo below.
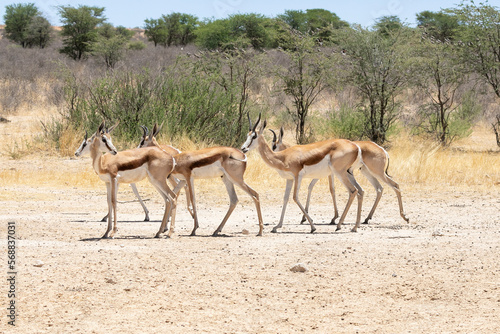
(327, 158)
(374, 168)
(136, 193)
(226, 162)
(128, 166)
(172, 151)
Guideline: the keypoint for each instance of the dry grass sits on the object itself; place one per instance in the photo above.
(472, 162)
(47, 171)
(418, 162)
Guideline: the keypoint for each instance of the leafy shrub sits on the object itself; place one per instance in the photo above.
(459, 121)
(346, 122)
(137, 45)
(188, 103)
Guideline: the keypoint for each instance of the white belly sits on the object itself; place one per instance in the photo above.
(133, 175)
(317, 171)
(206, 172)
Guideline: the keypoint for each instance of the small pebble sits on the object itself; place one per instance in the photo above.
(38, 264)
(299, 268)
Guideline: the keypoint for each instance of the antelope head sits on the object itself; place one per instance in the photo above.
(102, 136)
(252, 135)
(149, 139)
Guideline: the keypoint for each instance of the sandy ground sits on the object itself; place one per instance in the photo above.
(438, 274)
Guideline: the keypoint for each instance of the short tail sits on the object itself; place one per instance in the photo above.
(244, 160)
(387, 168)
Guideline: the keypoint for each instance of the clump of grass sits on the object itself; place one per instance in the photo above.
(415, 161)
(18, 149)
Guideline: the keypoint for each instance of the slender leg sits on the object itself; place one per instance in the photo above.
(255, 197)
(331, 185)
(296, 188)
(378, 188)
(188, 201)
(400, 201)
(343, 177)
(110, 208)
(170, 203)
(309, 192)
(176, 191)
(288, 189)
(146, 212)
(192, 197)
(359, 194)
(394, 185)
(237, 179)
(114, 193)
(233, 200)
(105, 218)
(168, 207)
(174, 182)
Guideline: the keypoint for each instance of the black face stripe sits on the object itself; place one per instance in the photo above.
(82, 147)
(105, 141)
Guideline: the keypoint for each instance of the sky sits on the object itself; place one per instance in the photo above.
(132, 13)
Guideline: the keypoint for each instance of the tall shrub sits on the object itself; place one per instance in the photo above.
(188, 104)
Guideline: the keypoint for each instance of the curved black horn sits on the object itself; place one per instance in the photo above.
(101, 127)
(250, 122)
(145, 130)
(256, 123)
(86, 135)
(274, 135)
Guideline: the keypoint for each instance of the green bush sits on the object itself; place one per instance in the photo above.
(346, 122)
(458, 121)
(137, 46)
(462, 120)
(188, 103)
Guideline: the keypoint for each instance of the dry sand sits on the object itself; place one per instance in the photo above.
(438, 274)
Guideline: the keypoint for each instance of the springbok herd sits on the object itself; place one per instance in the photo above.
(160, 163)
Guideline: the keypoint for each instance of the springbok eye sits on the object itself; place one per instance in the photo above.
(254, 135)
(103, 139)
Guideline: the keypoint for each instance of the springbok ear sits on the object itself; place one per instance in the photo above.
(113, 127)
(156, 129)
(263, 127)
